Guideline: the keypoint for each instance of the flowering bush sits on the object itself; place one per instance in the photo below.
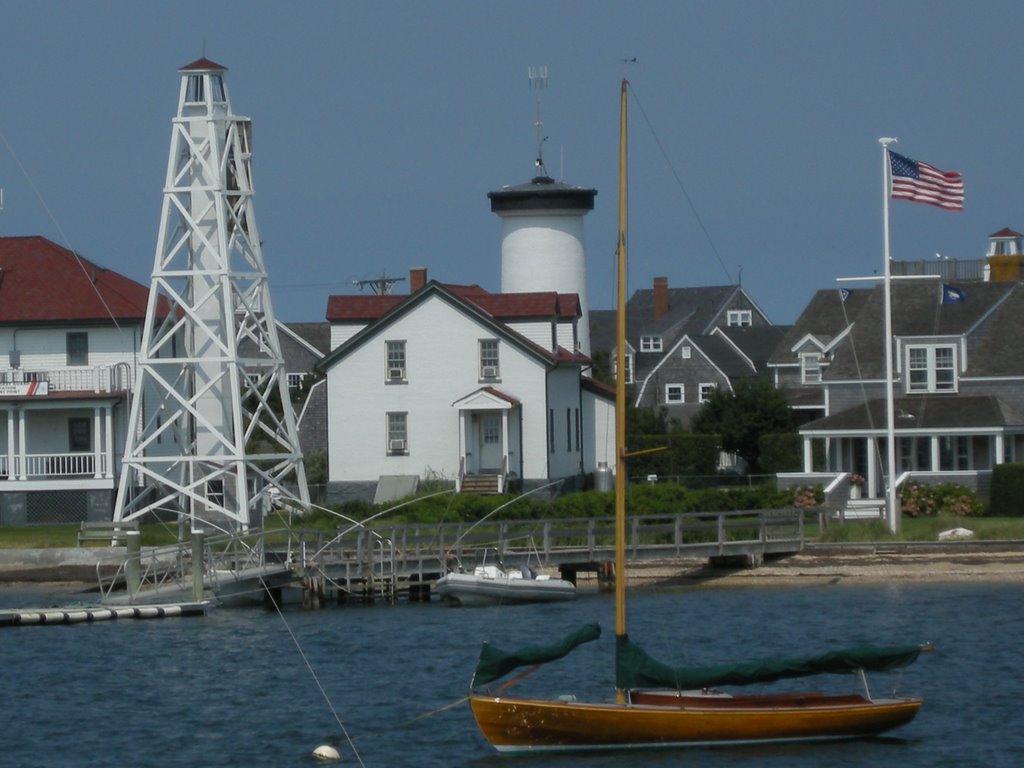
(857, 480)
(807, 496)
(931, 500)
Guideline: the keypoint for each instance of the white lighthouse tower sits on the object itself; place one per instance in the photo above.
(542, 231)
(212, 430)
(542, 240)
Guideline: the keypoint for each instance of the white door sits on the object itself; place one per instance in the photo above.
(490, 442)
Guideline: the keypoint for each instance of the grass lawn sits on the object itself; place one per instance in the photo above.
(913, 529)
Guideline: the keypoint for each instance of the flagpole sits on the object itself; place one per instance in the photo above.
(892, 500)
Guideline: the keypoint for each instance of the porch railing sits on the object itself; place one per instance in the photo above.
(45, 465)
(97, 378)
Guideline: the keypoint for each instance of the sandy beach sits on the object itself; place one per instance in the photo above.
(823, 564)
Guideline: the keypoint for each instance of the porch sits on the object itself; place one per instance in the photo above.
(490, 453)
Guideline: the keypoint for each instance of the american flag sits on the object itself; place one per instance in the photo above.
(925, 183)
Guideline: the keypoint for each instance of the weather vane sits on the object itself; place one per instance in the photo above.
(539, 79)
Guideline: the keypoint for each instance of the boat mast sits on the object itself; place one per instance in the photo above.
(620, 387)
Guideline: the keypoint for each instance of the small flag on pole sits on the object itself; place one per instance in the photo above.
(951, 295)
(923, 183)
(844, 294)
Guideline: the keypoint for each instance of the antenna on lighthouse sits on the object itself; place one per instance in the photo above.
(212, 435)
(539, 80)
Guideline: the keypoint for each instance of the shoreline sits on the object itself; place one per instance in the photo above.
(815, 564)
(828, 566)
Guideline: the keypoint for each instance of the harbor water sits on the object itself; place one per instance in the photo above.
(248, 687)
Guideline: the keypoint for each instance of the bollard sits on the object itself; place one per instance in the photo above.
(197, 565)
(133, 563)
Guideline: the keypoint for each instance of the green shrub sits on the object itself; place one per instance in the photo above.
(1007, 490)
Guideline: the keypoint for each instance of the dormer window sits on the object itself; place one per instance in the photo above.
(650, 343)
(931, 368)
(810, 368)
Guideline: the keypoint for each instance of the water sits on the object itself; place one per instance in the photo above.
(232, 689)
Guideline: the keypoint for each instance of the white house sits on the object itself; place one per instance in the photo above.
(457, 383)
(70, 330)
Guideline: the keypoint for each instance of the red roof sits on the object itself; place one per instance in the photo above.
(202, 64)
(43, 282)
(500, 306)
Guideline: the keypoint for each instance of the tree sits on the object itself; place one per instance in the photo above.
(740, 417)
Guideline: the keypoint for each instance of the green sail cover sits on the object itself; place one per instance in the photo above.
(495, 663)
(635, 669)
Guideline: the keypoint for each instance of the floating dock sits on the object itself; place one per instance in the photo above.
(33, 617)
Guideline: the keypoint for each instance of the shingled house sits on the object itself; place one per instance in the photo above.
(685, 342)
(958, 376)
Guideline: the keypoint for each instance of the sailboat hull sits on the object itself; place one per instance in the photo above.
(527, 725)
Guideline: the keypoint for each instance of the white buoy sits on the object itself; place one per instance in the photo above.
(326, 753)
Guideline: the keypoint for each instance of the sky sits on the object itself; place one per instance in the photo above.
(380, 127)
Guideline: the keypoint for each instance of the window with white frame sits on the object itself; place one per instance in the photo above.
(704, 392)
(674, 393)
(650, 343)
(739, 317)
(295, 380)
(77, 347)
(686, 352)
(396, 360)
(489, 359)
(629, 367)
(398, 433)
(931, 368)
(810, 367)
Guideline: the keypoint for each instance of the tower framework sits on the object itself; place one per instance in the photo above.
(212, 431)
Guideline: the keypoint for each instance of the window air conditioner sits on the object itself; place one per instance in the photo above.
(396, 373)
(489, 372)
(396, 445)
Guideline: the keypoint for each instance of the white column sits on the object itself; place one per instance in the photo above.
(872, 478)
(808, 454)
(1000, 450)
(97, 453)
(12, 464)
(108, 469)
(22, 461)
(934, 446)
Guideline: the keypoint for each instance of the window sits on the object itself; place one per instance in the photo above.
(650, 343)
(931, 368)
(629, 367)
(78, 348)
(551, 430)
(568, 430)
(492, 431)
(396, 361)
(489, 359)
(704, 392)
(398, 433)
(686, 352)
(579, 429)
(739, 317)
(810, 368)
(79, 435)
(674, 393)
(295, 380)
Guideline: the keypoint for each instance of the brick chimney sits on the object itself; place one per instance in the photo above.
(660, 297)
(417, 278)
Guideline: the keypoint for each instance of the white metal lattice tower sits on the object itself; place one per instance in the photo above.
(211, 429)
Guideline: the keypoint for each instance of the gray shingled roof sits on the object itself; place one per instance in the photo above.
(917, 312)
(929, 413)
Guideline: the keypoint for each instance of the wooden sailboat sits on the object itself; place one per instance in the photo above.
(685, 708)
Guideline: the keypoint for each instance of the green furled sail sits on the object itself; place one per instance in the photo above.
(635, 669)
(495, 663)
